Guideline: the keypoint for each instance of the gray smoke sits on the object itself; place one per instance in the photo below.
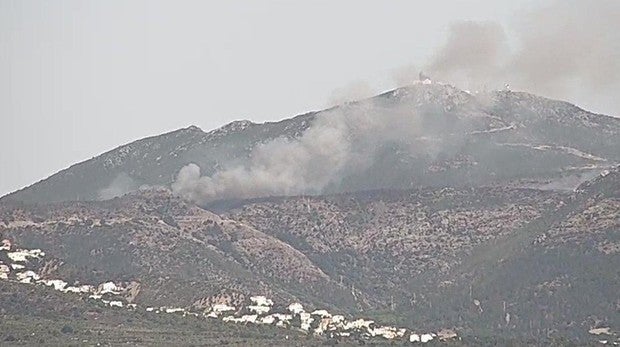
(339, 142)
(569, 50)
(121, 185)
(473, 52)
(570, 47)
(279, 167)
(405, 74)
(357, 90)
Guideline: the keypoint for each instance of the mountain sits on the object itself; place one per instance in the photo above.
(493, 262)
(436, 135)
(171, 246)
(425, 213)
(510, 263)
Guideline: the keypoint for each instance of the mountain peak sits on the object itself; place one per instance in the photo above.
(193, 128)
(459, 138)
(236, 125)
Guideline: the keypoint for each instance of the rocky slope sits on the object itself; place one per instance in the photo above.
(178, 253)
(457, 211)
(560, 276)
(498, 262)
(379, 241)
(455, 139)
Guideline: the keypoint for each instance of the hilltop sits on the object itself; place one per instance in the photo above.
(450, 138)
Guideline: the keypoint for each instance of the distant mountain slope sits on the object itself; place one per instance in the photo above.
(342, 251)
(461, 139)
(488, 262)
(152, 161)
(512, 263)
(559, 276)
(180, 254)
(379, 242)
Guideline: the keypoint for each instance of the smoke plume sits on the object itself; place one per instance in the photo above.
(279, 167)
(357, 90)
(339, 142)
(569, 50)
(121, 185)
(473, 52)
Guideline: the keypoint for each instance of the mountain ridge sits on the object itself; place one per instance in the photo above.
(490, 215)
(501, 117)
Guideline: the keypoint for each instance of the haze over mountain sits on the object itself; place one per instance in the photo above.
(492, 264)
(427, 134)
(492, 216)
(460, 185)
(80, 78)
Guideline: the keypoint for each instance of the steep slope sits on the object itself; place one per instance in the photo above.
(441, 136)
(175, 253)
(487, 262)
(516, 263)
(558, 277)
(154, 161)
(376, 242)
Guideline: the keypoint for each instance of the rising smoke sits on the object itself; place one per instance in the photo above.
(120, 185)
(341, 141)
(472, 55)
(354, 91)
(570, 50)
(279, 167)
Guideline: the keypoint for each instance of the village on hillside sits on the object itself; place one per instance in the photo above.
(20, 265)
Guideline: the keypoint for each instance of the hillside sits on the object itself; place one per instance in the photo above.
(432, 135)
(180, 254)
(493, 262)
(488, 262)
(426, 213)
(34, 315)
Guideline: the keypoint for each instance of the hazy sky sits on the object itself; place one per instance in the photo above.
(78, 78)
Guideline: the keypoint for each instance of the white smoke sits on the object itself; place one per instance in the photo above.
(341, 141)
(279, 167)
(570, 47)
(121, 185)
(354, 91)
